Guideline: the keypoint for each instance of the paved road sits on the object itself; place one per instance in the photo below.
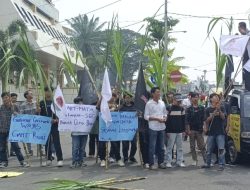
(189, 178)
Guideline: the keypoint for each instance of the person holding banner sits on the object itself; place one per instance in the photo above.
(156, 115)
(79, 141)
(29, 107)
(6, 111)
(128, 106)
(54, 133)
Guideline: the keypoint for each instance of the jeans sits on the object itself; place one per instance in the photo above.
(3, 149)
(220, 141)
(143, 139)
(174, 138)
(197, 136)
(78, 147)
(93, 141)
(133, 149)
(156, 138)
(54, 138)
(115, 150)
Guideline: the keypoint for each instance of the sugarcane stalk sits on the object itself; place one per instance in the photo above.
(115, 188)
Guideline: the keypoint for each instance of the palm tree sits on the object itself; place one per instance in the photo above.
(89, 39)
(9, 49)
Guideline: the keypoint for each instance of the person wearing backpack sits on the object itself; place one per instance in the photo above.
(195, 117)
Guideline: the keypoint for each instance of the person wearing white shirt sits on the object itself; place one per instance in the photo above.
(156, 115)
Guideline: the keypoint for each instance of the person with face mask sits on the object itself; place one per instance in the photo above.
(175, 127)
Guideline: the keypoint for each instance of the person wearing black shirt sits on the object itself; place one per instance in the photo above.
(215, 118)
(175, 126)
(54, 133)
(128, 106)
(195, 117)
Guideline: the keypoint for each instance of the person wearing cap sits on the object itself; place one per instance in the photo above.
(175, 127)
(156, 114)
(195, 117)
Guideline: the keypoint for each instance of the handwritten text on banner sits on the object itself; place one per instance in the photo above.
(79, 118)
(123, 128)
(29, 129)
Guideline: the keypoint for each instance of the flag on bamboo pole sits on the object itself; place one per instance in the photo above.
(106, 96)
(59, 104)
(141, 94)
(87, 90)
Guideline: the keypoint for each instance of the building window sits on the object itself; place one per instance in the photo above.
(21, 13)
(45, 27)
(49, 29)
(33, 20)
(39, 24)
(54, 34)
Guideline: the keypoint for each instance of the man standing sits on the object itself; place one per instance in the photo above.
(128, 106)
(215, 118)
(6, 111)
(13, 97)
(156, 114)
(54, 133)
(29, 107)
(195, 116)
(175, 128)
(242, 27)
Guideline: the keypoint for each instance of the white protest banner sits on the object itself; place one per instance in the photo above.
(79, 118)
(233, 45)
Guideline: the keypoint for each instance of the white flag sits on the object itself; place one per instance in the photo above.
(106, 96)
(59, 105)
(233, 45)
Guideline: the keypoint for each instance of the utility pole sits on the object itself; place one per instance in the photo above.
(165, 60)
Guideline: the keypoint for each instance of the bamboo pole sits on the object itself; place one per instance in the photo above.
(97, 152)
(26, 152)
(139, 148)
(107, 152)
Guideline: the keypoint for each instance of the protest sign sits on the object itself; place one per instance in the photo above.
(123, 127)
(29, 129)
(79, 118)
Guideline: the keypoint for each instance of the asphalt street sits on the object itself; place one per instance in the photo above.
(189, 178)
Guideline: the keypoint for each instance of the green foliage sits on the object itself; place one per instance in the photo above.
(221, 59)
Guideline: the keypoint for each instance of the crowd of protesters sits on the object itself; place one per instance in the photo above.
(163, 126)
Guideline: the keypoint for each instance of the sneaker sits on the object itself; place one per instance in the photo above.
(152, 167)
(24, 164)
(162, 166)
(103, 163)
(47, 163)
(12, 154)
(73, 165)
(60, 163)
(133, 160)
(3, 165)
(82, 164)
(206, 166)
(146, 166)
(221, 168)
(120, 163)
(169, 165)
(195, 163)
(111, 160)
(182, 165)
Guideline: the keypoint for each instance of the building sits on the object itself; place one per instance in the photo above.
(45, 33)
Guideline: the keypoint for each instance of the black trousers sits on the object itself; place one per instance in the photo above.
(54, 138)
(144, 146)
(115, 150)
(93, 141)
(133, 149)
